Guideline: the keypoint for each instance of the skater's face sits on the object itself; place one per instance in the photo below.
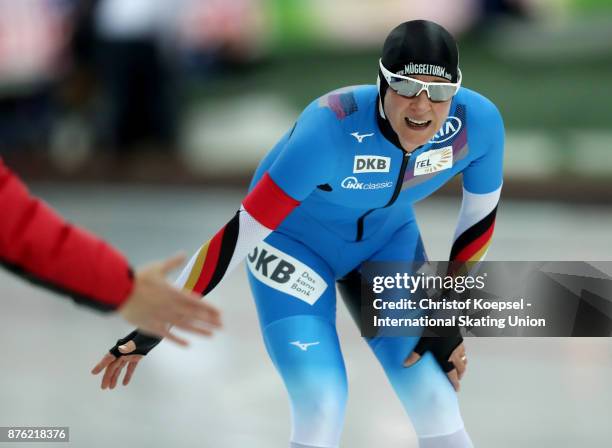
(415, 120)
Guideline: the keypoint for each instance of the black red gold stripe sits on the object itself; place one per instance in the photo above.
(206, 258)
(268, 205)
(474, 242)
(226, 251)
(213, 259)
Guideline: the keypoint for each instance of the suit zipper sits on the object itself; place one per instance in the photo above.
(396, 192)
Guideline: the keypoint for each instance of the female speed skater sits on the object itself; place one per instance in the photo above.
(336, 191)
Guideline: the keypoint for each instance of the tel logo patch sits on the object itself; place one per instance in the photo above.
(433, 161)
(285, 273)
(371, 164)
(449, 129)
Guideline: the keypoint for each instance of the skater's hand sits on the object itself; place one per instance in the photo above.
(459, 359)
(454, 365)
(113, 366)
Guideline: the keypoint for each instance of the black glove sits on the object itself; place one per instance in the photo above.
(441, 348)
(144, 344)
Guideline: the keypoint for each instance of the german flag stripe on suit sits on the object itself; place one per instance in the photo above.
(473, 243)
(262, 211)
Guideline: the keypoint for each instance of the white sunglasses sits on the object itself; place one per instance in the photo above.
(409, 87)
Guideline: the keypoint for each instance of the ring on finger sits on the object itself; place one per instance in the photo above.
(464, 358)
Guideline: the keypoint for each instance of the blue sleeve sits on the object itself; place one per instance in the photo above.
(309, 157)
(485, 173)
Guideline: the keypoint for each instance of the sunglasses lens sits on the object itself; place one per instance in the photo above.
(405, 87)
(440, 93)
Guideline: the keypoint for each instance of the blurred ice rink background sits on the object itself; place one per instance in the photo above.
(142, 120)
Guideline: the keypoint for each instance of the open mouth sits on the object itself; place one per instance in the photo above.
(417, 124)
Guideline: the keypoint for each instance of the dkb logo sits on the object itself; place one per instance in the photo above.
(371, 164)
(271, 266)
(285, 273)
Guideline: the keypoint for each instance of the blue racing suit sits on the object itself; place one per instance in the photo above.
(356, 190)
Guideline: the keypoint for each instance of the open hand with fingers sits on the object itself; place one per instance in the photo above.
(113, 366)
(155, 306)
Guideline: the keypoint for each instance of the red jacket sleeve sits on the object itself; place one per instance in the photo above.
(36, 243)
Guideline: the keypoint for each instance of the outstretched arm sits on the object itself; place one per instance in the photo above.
(39, 245)
(276, 194)
(265, 207)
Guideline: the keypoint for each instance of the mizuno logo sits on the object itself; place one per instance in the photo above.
(303, 345)
(362, 136)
